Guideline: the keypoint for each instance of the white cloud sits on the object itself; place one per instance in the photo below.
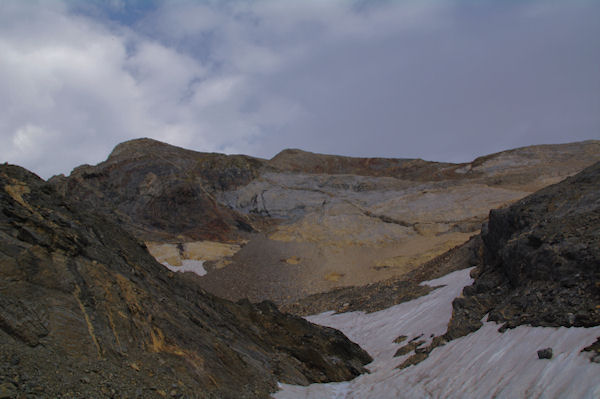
(445, 80)
(27, 139)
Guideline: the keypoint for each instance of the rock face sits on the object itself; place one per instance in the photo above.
(298, 161)
(85, 311)
(541, 261)
(353, 221)
(305, 223)
(159, 192)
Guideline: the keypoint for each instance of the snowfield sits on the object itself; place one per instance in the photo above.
(187, 265)
(484, 364)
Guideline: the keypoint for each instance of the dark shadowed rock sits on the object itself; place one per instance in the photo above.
(159, 192)
(594, 350)
(295, 160)
(545, 353)
(541, 261)
(85, 311)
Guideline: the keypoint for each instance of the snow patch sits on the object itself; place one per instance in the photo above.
(480, 365)
(188, 265)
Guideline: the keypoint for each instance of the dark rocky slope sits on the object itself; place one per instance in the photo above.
(524, 166)
(158, 192)
(541, 261)
(85, 311)
(294, 160)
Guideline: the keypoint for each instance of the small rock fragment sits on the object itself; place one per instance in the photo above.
(7, 390)
(545, 353)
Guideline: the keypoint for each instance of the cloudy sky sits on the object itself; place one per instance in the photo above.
(439, 80)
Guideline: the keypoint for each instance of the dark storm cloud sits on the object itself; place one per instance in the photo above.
(446, 80)
(484, 81)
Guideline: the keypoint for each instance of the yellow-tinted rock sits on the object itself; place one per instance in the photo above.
(333, 276)
(294, 260)
(168, 253)
(221, 263)
(175, 253)
(419, 250)
(208, 250)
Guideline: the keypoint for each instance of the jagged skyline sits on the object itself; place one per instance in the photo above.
(443, 81)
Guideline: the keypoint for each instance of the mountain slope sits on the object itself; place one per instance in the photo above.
(522, 329)
(157, 191)
(87, 312)
(304, 223)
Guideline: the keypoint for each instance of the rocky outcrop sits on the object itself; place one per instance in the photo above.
(85, 311)
(541, 261)
(160, 192)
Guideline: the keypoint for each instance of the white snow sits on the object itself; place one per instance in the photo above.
(188, 265)
(483, 364)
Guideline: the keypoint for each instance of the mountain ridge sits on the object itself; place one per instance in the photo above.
(337, 229)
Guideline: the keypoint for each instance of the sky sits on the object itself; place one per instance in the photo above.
(445, 80)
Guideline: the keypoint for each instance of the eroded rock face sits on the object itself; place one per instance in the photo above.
(541, 261)
(353, 221)
(344, 221)
(85, 311)
(160, 192)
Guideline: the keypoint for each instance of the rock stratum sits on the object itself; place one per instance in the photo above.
(304, 223)
(86, 311)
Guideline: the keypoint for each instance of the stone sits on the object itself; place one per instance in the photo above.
(594, 350)
(409, 347)
(7, 390)
(545, 353)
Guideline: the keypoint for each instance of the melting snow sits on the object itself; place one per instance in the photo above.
(483, 364)
(188, 265)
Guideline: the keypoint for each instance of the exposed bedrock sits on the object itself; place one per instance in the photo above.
(85, 311)
(541, 261)
(305, 223)
(160, 192)
(349, 222)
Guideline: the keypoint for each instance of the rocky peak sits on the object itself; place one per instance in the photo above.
(146, 146)
(342, 221)
(159, 191)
